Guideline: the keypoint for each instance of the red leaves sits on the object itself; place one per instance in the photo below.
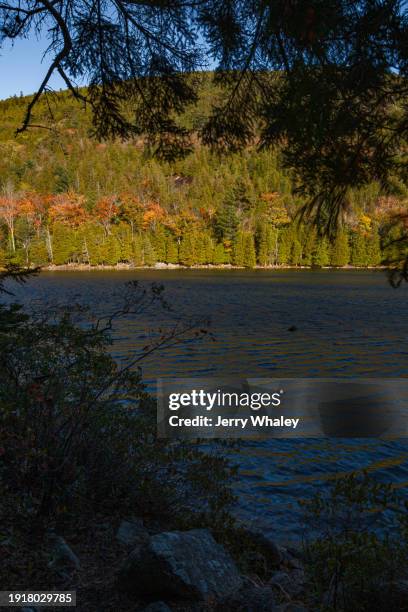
(68, 208)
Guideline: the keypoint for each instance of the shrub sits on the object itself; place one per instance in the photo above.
(356, 564)
(77, 429)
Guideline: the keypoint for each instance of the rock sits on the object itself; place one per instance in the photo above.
(63, 558)
(266, 545)
(251, 598)
(157, 606)
(182, 564)
(291, 583)
(132, 533)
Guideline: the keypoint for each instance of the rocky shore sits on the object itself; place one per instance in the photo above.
(169, 266)
(182, 571)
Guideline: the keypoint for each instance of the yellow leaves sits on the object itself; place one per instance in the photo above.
(365, 222)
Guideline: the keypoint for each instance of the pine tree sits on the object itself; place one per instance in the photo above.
(171, 250)
(249, 250)
(124, 236)
(66, 246)
(241, 196)
(373, 245)
(266, 244)
(149, 255)
(321, 254)
(3, 256)
(220, 256)
(137, 250)
(159, 242)
(285, 245)
(187, 250)
(37, 252)
(309, 245)
(111, 251)
(226, 221)
(296, 253)
(340, 252)
(359, 255)
(208, 249)
(94, 236)
(238, 251)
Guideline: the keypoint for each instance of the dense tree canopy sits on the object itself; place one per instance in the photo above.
(327, 78)
(67, 199)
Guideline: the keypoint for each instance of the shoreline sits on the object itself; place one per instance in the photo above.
(164, 266)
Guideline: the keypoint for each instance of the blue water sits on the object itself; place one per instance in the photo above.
(349, 323)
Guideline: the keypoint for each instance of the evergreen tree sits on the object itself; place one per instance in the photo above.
(340, 252)
(249, 250)
(309, 245)
(374, 255)
(359, 255)
(187, 250)
(149, 255)
(220, 256)
(111, 250)
(94, 236)
(241, 196)
(266, 244)
(124, 235)
(171, 250)
(208, 248)
(37, 252)
(321, 255)
(238, 251)
(226, 221)
(137, 250)
(296, 253)
(159, 242)
(66, 246)
(3, 257)
(285, 245)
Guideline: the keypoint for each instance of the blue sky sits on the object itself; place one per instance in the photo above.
(22, 68)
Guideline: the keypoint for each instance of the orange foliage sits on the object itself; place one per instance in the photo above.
(68, 208)
(131, 208)
(270, 196)
(34, 206)
(207, 213)
(154, 213)
(10, 208)
(106, 210)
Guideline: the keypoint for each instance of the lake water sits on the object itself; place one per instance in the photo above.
(348, 323)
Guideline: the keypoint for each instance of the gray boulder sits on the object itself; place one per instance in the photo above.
(132, 533)
(182, 564)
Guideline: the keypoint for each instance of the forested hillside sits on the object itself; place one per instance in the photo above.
(68, 199)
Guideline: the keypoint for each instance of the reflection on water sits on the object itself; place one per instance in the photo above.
(348, 323)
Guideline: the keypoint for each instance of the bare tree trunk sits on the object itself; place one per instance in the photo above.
(12, 238)
(49, 245)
